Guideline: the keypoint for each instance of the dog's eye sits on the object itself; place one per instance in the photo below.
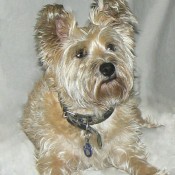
(81, 53)
(111, 47)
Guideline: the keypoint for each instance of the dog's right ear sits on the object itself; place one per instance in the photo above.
(54, 25)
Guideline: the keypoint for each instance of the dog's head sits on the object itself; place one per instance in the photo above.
(93, 65)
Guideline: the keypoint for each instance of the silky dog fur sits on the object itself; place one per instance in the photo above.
(71, 57)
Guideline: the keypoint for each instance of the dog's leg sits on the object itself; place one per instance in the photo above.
(52, 165)
(134, 163)
(136, 166)
(142, 167)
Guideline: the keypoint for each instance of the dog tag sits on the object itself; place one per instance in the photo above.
(99, 141)
(87, 150)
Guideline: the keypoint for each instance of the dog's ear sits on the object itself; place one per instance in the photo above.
(104, 12)
(54, 25)
(117, 15)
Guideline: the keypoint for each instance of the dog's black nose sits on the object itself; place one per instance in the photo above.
(107, 69)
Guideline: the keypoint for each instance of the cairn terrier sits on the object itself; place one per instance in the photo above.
(83, 112)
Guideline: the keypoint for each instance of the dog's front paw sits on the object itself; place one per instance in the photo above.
(163, 172)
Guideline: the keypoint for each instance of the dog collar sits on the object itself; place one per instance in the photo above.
(83, 122)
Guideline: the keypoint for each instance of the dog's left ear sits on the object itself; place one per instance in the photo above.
(117, 15)
(105, 12)
(54, 26)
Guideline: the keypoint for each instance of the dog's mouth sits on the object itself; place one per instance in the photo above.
(109, 79)
(109, 83)
(112, 86)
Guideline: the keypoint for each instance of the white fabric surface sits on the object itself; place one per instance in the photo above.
(155, 51)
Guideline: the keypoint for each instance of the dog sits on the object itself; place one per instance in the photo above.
(83, 112)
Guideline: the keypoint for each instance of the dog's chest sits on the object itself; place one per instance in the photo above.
(115, 135)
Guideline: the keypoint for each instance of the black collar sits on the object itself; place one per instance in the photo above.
(81, 121)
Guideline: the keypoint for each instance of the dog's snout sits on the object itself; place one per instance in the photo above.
(107, 69)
